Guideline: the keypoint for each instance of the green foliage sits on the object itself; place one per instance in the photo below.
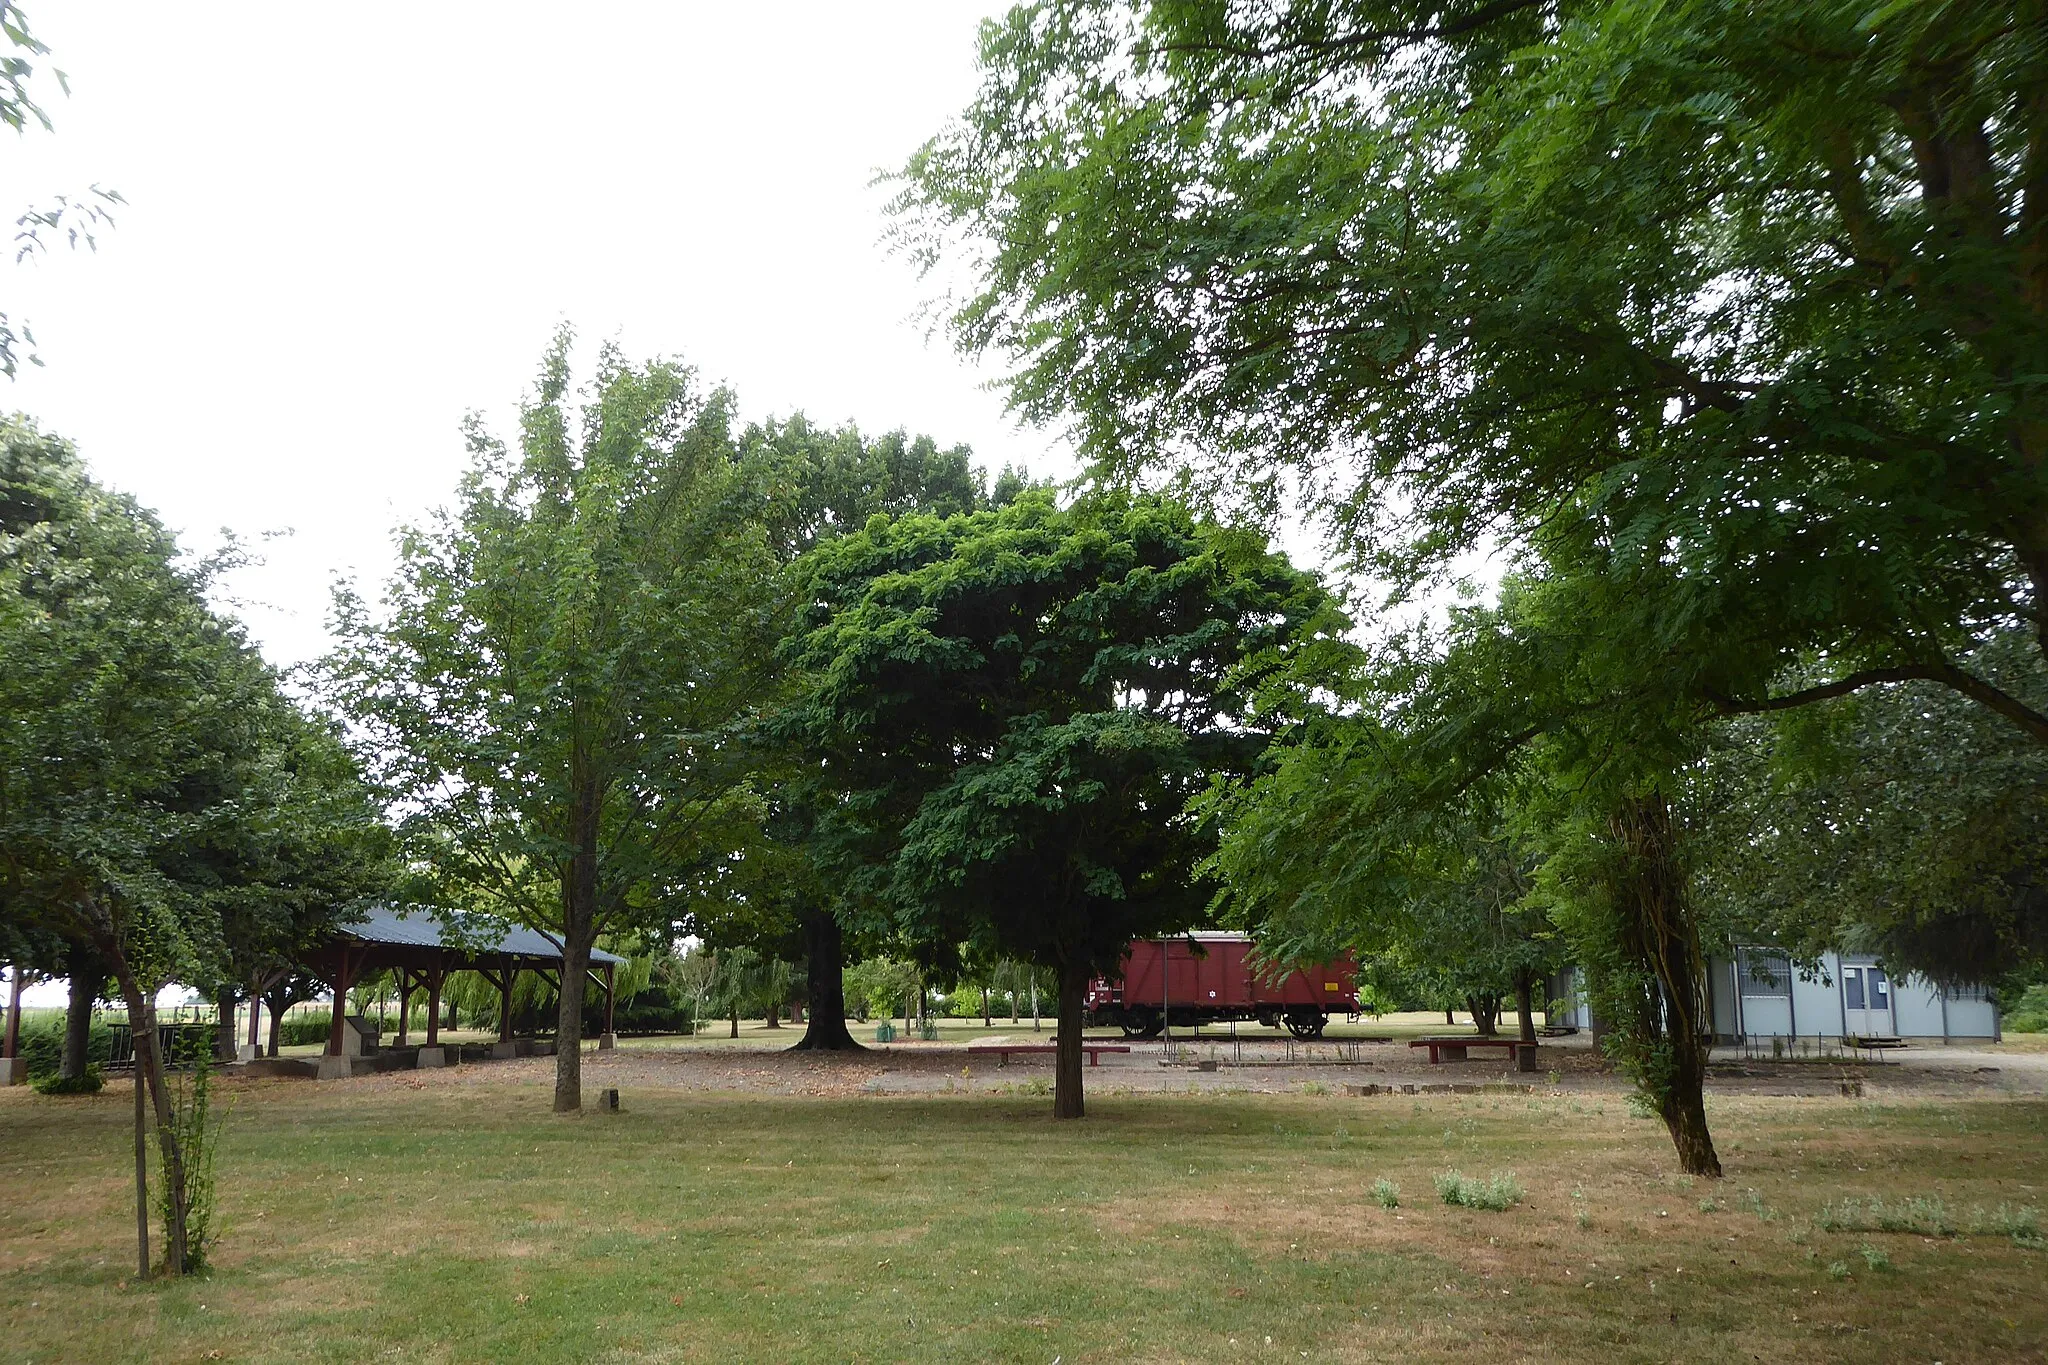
(552, 691)
(1753, 291)
(2030, 1015)
(42, 1045)
(51, 1083)
(1022, 702)
(1386, 1193)
(1904, 820)
(1497, 1194)
(186, 1186)
(881, 985)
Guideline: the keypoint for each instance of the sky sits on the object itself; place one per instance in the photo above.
(341, 236)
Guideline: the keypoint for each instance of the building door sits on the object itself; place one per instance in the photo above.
(1866, 1002)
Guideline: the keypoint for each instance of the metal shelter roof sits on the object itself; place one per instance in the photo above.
(475, 936)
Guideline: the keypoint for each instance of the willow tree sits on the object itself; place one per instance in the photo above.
(1016, 708)
(549, 691)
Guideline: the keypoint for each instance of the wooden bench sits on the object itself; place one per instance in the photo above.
(1003, 1050)
(1453, 1049)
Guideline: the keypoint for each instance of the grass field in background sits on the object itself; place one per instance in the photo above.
(407, 1218)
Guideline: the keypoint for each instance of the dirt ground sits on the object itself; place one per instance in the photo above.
(1564, 1066)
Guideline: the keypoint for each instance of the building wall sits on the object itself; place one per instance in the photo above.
(1779, 999)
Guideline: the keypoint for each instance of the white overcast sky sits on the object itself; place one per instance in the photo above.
(347, 227)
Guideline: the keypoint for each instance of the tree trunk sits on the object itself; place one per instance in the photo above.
(735, 1021)
(985, 1021)
(1450, 1019)
(1066, 1095)
(224, 1002)
(276, 1029)
(1664, 1033)
(86, 980)
(1525, 1014)
(1034, 1007)
(149, 1065)
(825, 959)
(141, 1179)
(569, 1022)
(579, 935)
(773, 1018)
(1485, 1012)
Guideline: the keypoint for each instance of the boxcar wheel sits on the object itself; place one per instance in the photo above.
(1306, 1024)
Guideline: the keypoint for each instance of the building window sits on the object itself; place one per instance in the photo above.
(1766, 974)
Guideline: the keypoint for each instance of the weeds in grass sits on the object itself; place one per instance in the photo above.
(1839, 1269)
(1874, 1257)
(1314, 1088)
(1386, 1193)
(1710, 1205)
(1752, 1202)
(1497, 1195)
(1927, 1216)
(1038, 1085)
(2023, 1225)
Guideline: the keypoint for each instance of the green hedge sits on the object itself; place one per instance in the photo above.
(2030, 1013)
(42, 1047)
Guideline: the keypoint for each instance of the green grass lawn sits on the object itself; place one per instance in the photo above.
(460, 1222)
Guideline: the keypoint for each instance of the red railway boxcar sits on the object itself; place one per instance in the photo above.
(1210, 978)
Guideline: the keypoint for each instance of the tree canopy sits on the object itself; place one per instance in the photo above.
(1017, 707)
(1760, 291)
(550, 691)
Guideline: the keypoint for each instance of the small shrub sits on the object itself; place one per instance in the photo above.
(1386, 1193)
(1496, 1195)
(1874, 1257)
(1710, 1205)
(50, 1083)
(1314, 1088)
(1038, 1085)
(1582, 1217)
(1839, 1269)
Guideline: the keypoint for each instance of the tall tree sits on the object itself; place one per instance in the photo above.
(147, 772)
(1515, 717)
(818, 484)
(1762, 290)
(548, 692)
(1016, 708)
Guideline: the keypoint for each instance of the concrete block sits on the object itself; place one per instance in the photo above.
(431, 1057)
(334, 1068)
(246, 1053)
(13, 1071)
(501, 1050)
(539, 1048)
(607, 1041)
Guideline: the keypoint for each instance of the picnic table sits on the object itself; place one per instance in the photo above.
(1454, 1049)
(1003, 1050)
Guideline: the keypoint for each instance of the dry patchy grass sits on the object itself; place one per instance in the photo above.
(462, 1223)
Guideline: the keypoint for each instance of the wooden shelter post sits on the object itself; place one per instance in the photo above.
(343, 977)
(505, 1002)
(434, 975)
(406, 982)
(611, 996)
